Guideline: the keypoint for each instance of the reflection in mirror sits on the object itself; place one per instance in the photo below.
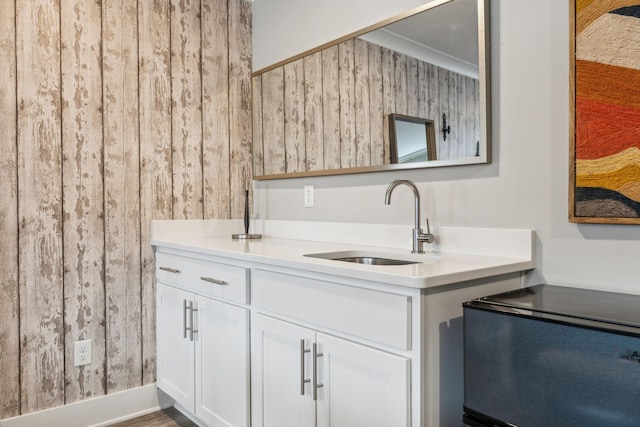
(412, 139)
(326, 112)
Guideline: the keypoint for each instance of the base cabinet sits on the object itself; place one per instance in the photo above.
(246, 344)
(305, 378)
(203, 356)
(176, 353)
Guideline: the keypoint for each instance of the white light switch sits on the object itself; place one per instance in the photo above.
(308, 196)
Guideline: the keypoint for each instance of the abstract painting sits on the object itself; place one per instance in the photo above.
(605, 131)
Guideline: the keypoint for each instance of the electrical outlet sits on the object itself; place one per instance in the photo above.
(308, 196)
(82, 353)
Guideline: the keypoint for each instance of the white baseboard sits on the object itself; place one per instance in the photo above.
(97, 412)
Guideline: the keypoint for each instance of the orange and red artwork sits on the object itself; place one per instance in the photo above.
(606, 185)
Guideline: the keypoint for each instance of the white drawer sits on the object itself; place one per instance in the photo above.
(374, 315)
(204, 277)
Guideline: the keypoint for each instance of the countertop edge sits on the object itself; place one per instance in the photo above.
(445, 270)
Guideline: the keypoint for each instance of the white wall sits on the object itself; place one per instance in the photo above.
(526, 186)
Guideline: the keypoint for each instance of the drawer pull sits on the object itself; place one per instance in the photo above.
(303, 380)
(316, 386)
(170, 270)
(212, 280)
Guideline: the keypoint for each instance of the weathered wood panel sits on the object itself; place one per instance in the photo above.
(476, 111)
(346, 89)
(121, 195)
(388, 96)
(273, 121)
(413, 90)
(400, 76)
(258, 138)
(294, 133)
(423, 90)
(433, 103)
(186, 114)
(313, 112)
(376, 113)
(452, 115)
(331, 107)
(83, 202)
(39, 205)
(215, 109)
(239, 24)
(9, 302)
(463, 147)
(362, 107)
(443, 108)
(155, 155)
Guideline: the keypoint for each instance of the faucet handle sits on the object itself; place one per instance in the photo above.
(429, 238)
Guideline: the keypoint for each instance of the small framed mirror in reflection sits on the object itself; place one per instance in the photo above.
(412, 139)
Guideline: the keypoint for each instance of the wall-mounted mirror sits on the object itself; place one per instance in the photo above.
(328, 111)
(411, 139)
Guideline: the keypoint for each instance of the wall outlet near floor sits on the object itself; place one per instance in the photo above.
(82, 353)
(308, 196)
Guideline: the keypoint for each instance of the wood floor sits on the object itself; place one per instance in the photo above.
(169, 417)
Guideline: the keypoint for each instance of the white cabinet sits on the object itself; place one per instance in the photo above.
(328, 354)
(222, 364)
(253, 343)
(362, 386)
(202, 345)
(305, 378)
(175, 361)
(279, 368)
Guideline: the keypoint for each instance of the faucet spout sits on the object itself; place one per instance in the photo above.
(416, 196)
(418, 236)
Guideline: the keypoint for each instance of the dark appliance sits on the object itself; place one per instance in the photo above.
(552, 356)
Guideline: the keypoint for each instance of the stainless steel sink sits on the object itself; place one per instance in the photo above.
(375, 258)
(372, 260)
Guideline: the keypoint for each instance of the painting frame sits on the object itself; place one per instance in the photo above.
(618, 200)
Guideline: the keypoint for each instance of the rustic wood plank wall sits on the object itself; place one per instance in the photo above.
(111, 114)
(9, 300)
(121, 195)
(82, 194)
(332, 105)
(240, 135)
(40, 247)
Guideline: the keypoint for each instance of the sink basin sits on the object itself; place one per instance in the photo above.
(374, 258)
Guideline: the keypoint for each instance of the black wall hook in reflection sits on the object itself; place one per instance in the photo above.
(445, 129)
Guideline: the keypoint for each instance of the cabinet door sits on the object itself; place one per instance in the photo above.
(222, 364)
(175, 364)
(279, 366)
(361, 386)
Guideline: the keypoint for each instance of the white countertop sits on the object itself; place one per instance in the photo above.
(438, 267)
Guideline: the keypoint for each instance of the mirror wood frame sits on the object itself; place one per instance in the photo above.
(484, 62)
(429, 136)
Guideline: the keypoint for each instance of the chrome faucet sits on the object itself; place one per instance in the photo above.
(418, 237)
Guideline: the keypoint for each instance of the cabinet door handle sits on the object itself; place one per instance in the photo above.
(184, 318)
(316, 386)
(212, 280)
(170, 270)
(303, 380)
(192, 329)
